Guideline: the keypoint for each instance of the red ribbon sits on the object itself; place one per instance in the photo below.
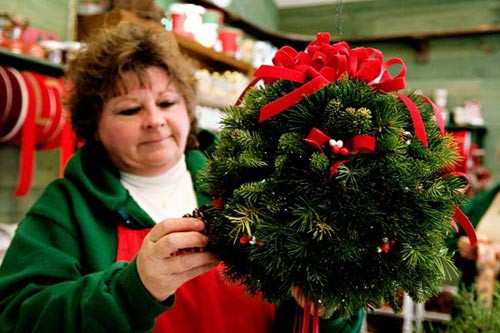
(459, 216)
(317, 139)
(416, 118)
(437, 115)
(361, 143)
(303, 316)
(465, 223)
(28, 144)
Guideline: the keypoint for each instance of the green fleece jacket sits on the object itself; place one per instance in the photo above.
(60, 272)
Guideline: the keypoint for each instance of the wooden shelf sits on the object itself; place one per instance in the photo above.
(276, 38)
(211, 59)
(480, 129)
(207, 57)
(25, 62)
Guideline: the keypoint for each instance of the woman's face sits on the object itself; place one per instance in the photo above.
(144, 130)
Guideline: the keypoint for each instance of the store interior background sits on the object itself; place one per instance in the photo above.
(450, 44)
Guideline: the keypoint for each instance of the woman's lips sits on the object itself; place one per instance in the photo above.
(155, 141)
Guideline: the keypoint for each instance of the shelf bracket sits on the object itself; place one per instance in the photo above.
(422, 47)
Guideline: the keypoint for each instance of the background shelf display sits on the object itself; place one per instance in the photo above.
(207, 57)
(26, 62)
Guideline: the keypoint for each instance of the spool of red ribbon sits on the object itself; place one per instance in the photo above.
(32, 116)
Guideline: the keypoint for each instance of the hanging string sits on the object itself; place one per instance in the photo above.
(338, 18)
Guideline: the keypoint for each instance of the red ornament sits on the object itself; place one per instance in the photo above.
(218, 203)
(244, 240)
(34, 50)
(385, 247)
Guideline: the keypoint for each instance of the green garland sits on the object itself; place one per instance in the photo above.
(350, 238)
(473, 315)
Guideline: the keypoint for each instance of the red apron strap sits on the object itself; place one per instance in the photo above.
(129, 242)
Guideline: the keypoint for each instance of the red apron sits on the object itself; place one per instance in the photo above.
(206, 304)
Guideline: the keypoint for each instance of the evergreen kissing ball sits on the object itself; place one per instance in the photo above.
(328, 179)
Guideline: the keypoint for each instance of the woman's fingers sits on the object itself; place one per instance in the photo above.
(183, 263)
(167, 237)
(174, 225)
(163, 277)
(162, 266)
(170, 244)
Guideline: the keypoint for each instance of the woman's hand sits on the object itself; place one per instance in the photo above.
(160, 266)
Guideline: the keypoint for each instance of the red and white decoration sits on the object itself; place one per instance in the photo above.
(32, 115)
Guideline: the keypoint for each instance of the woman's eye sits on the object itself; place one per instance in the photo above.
(166, 104)
(129, 112)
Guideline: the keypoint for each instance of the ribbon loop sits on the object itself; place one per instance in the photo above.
(363, 143)
(317, 139)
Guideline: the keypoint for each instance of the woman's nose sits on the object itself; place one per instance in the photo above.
(153, 117)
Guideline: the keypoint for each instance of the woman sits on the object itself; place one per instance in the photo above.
(104, 248)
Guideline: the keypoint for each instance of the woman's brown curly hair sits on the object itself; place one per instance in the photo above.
(96, 73)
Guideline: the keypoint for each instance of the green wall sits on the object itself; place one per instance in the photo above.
(261, 13)
(466, 64)
(258, 12)
(52, 15)
(46, 169)
(391, 17)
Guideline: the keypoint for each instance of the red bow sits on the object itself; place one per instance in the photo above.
(323, 63)
(361, 143)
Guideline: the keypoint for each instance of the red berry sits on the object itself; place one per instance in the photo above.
(385, 247)
(344, 151)
(218, 203)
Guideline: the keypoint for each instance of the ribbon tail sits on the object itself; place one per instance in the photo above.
(297, 322)
(335, 166)
(315, 327)
(465, 223)
(437, 114)
(280, 73)
(292, 98)
(418, 123)
(248, 87)
(307, 316)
